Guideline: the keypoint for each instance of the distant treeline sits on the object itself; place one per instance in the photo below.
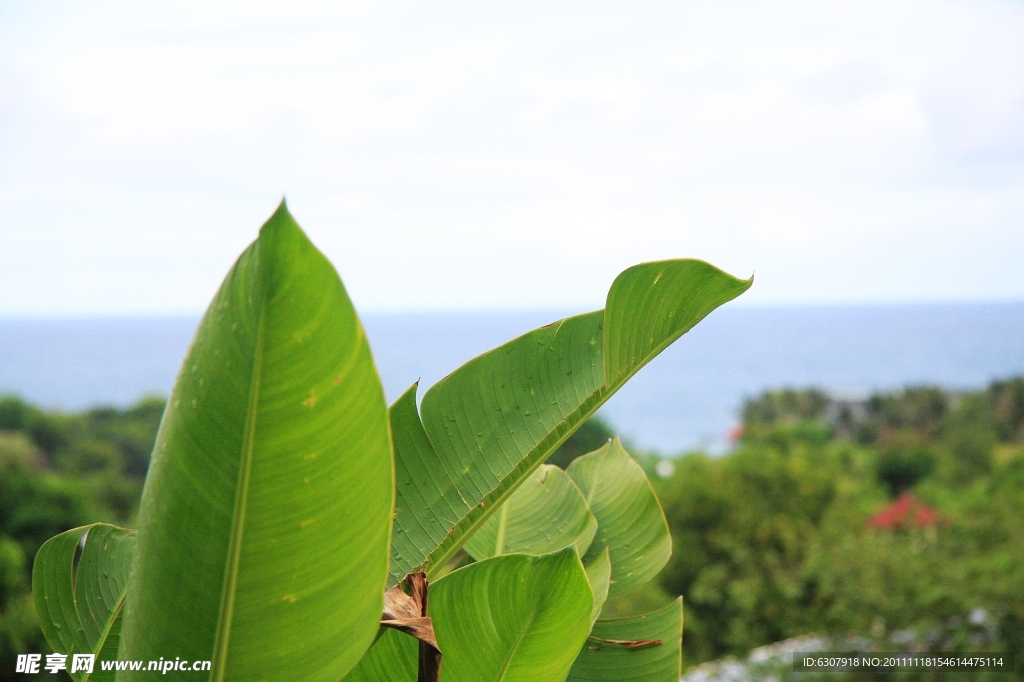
(897, 520)
(59, 471)
(777, 538)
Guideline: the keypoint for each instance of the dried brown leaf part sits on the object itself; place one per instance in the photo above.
(407, 612)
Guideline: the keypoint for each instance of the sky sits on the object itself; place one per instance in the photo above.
(511, 155)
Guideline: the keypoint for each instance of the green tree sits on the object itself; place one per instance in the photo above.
(772, 540)
(744, 526)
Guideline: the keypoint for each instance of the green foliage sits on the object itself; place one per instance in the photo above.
(785, 406)
(19, 633)
(12, 570)
(103, 438)
(630, 522)
(605, 491)
(131, 432)
(18, 628)
(772, 541)
(84, 614)
(485, 427)
(547, 512)
(38, 501)
(743, 526)
(903, 460)
(604, 658)
(969, 432)
(15, 414)
(921, 408)
(1007, 401)
(513, 617)
(591, 435)
(275, 439)
(266, 517)
(392, 657)
(599, 573)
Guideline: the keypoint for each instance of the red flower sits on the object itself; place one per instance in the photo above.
(906, 512)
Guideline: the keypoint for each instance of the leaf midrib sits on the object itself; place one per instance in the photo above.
(115, 613)
(585, 410)
(227, 604)
(515, 645)
(499, 543)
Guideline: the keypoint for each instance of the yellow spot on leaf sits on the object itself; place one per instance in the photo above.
(310, 402)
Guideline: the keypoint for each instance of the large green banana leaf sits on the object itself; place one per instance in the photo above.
(599, 573)
(266, 515)
(486, 427)
(394, 657)
(546, 513)
(631, 523)
(514, 617)
(508, 618)
(646, 648)
(80, 606)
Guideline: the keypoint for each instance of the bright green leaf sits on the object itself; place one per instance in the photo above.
(394, 657)
(546, 513)
(487, 426)
(606, 657)
(599, 573)
(513, 617)
(426, 504)
(630, 521)
(79, 607)
(265, 519)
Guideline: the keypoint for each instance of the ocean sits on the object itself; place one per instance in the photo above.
(689, 397)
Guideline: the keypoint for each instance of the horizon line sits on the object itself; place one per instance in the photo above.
(560, 310)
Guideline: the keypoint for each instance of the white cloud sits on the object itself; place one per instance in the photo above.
(511, 155)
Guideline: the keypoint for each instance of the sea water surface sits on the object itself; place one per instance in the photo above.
(686, 398)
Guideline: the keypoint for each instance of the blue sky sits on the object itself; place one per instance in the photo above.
(511, 155)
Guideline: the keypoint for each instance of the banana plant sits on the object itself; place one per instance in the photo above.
(602, 518)
(285, 502)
